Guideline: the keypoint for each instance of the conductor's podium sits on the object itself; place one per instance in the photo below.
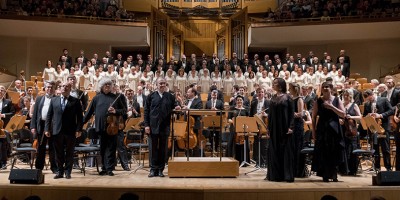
(203, 167)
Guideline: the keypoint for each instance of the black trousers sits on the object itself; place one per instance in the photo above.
(121, 149)
(108, 146)
(385, 146)
(158, 145)
(3, 151)
(41, 150)
(64, 145)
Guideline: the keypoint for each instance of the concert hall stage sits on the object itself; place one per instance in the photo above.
(252, 186)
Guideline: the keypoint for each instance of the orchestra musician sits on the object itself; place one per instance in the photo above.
(64, 124)
(259, 106)
(157, 116)
(397, 136)
(38, 120)
(379, 108)
(132, 105)
(77, 93)
(105, 104)
(7, 110)
(214, 104)
(194, 102)
(237, 110)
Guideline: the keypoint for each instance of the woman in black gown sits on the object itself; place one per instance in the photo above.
(238, 110)
(298, 130)
(281, 143)
(329, 150)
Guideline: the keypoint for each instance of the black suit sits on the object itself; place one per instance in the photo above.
(345, 68)
(384, 108)
(63, 124)
(263, 143)
(220, 95)
(219, 105)
(8, 110)
(38, 123)
(394, 98)
(157, 116)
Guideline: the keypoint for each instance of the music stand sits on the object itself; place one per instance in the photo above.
(263, 130)
(133, 123)
(212, 122)
(245, 125)
(369, 123)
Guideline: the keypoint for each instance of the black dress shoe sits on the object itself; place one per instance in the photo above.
(3, 166)
(59, 175)
(102, 173)
(335, 180)
(68, 176)
(152, 173)
(110, 173)
(160, 174)
(126, 168)
(325, 179)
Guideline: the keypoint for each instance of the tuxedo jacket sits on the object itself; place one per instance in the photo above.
(37, 114)
(383, 107)
(218, 104)
(345, 69)
(8, 110)
(394, 98)
(158, 111)
(196, 104)
(66, 122)
(253, 106)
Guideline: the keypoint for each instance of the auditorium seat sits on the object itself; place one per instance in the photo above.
(362, 80)
(355, 76)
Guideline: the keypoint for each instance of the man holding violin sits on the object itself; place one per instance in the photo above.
(105, 105)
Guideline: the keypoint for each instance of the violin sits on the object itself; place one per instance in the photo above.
(115, 123)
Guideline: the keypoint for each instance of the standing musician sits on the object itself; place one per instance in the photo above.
(7, 110)
(258, 107)
(105, 104)
(380, 108)
(157, 116)
(77, 93)
(194, 102)
(38, 120)
(64, 122)
(214, 104)
(132, 105)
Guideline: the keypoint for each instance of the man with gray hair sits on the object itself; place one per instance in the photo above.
(105, 104)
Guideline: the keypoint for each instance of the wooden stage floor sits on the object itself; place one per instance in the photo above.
(252, 186)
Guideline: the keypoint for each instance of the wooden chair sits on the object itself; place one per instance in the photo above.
(366, 86)
(40, 84)
(33, 78)
(362, 80)
(14, 96)
(355, 75)
(227, 98)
